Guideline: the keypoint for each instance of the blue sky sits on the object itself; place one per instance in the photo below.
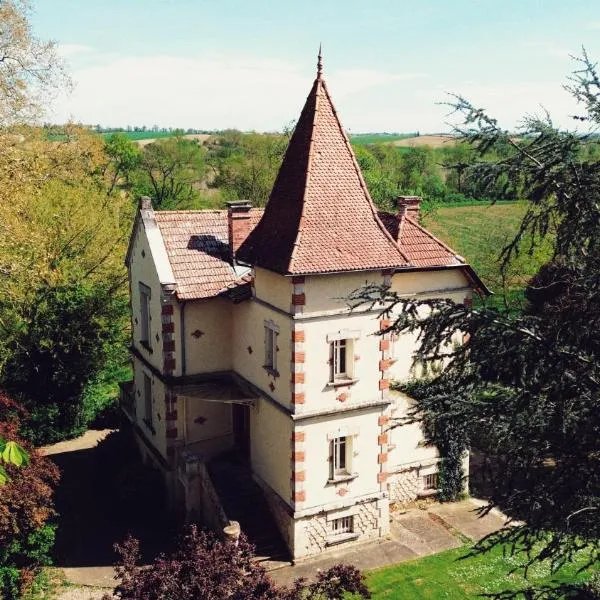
(250, 63)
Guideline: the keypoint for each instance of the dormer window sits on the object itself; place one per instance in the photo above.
(145, 296)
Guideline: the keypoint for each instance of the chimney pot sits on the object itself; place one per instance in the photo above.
(409, 206)
(238, 222)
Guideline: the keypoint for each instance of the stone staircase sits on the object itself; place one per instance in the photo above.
(243, 501)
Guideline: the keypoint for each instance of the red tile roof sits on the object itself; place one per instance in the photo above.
(420, 246)
(320, 217)
(198, 249)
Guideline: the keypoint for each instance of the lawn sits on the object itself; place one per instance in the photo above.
(361, 139)
(479, 233)
(450, 576)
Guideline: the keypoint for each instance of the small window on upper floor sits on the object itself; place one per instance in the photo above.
(340, 457)
(145, 296)
(271, 333)
(341, 359)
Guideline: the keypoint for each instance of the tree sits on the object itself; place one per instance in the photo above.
(171, 172)
(30, 69)
(26, 508)
(525, 387)
(205, 567)
(124, 158)
(63, 310)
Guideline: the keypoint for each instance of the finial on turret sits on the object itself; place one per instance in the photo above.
(319, 63)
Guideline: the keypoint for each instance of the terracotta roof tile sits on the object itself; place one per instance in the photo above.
(198, 249)
(320, 217)
(420, 246)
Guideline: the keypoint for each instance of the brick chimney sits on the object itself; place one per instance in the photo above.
(238, 221)
(409, 206)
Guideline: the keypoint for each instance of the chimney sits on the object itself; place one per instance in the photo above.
(238, 221)
(409, 206)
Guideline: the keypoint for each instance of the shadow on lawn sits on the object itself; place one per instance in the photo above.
(105, 494)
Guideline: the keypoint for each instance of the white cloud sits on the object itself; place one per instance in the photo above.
(70, 50)
(216, 92)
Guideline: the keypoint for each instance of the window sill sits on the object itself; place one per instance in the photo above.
(342, 478)
(341, 382)
(340, 539)
(271, 371)
(149, 426)
(146, 345)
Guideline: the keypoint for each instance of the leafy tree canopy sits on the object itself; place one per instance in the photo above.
(525, 388)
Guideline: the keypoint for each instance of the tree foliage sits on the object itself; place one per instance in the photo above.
(171, 171)
(205, 567)
(26, 508)
(525, 388)
(30, 69)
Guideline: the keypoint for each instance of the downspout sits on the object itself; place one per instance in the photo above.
(182, 328)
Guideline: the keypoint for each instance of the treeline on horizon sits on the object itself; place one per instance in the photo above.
(180, 172)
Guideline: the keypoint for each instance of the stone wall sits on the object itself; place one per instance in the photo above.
(313, 535)
(404, 486)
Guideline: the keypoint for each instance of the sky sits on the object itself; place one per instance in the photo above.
(249, 64)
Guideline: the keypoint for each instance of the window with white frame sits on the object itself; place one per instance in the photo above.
(148, 400)
(430, 482)
(340, 457)
(342, 526)
(271, 333)
(145, 314)
(341, 359)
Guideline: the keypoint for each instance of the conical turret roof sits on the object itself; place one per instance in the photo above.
(320, 217)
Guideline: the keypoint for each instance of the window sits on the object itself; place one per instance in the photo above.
(148, 400)
(340, 359)
(342, 526)
(339, 457)
(430, 482)
(271, 332)
(145, 314)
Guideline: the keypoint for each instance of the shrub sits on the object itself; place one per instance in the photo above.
(205, 567)
(26, 510)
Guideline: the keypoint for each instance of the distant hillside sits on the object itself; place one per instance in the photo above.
(433, 140)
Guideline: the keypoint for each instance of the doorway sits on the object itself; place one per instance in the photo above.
(240, 414)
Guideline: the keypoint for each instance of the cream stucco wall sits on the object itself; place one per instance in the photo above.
(418, 282)
(143, 270)
(270, 446)
(205, 420)
(363, 427)
(273, 288)
(209, 350)
(327, 293)
(405, 443)
(159, 437)
(248, 350)
(365, 356)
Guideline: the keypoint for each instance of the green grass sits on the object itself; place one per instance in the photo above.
(362, 139)
(479, 233)
(450, 577)
(143, 135)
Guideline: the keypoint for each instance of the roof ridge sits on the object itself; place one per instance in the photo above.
(361, 180)
(433, 237)
(311, 146)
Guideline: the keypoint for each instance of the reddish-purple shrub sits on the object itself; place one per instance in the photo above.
(205, 567)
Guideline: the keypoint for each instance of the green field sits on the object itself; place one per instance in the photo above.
(143, 135)
(449, 576)
(479, 233)
(362, 139)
